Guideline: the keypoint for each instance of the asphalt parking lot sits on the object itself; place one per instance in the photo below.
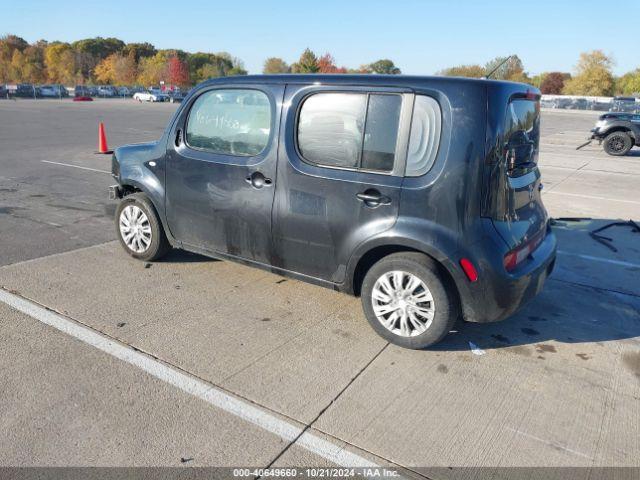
(108, 361)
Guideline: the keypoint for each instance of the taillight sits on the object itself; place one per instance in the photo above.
(516, 256)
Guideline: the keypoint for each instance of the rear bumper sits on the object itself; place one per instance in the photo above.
(498, 294)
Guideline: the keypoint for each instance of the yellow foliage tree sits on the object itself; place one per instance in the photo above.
(60, 61)
(152, 70)
(593, 76)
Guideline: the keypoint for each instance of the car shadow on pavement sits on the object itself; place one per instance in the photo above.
(584, 301)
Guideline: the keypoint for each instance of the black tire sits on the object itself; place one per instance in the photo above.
(159, 245)
(618, 144)
(444, 299)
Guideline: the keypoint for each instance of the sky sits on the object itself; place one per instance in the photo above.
(421, 37)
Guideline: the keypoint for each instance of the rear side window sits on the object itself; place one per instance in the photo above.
(230, 122)
(426, 125)
(350, 130)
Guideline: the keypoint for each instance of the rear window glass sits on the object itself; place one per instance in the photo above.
(522, 133)
(230, 122)
(523, 122)
(350, 130)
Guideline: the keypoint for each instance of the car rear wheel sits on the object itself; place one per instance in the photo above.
(618, 143)
(139, 229)
(406, 300)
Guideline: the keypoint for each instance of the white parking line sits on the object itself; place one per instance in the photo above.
(76, 166)
(202, 390)
(594, 197)
(600, 259)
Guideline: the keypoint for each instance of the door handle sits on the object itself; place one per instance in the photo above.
(258, 180)
(373, 198)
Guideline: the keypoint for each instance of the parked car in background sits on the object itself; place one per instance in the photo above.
(4, 93)
(124, 92)
(47, 91)
(107, 91)
(82, 91)
(93, 91)
(625, 104)
(548, 103)
(24, 90)
(176, 96)
(578, 104)
(151, 95)
(354, 182)
(53, 91)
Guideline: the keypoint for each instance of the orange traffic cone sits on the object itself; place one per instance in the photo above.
(102, 140)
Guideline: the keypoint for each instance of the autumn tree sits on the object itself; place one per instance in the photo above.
(308, 63)
(91, 51)
(507, 68)
(117, 69)
(275, 65)
(592, 75)
(9, 44)
(472, 71)
(384, 66)
(553, 83)
(177, 71)
(60, 61)
(326, 64)
(152, 70)
(629, 83)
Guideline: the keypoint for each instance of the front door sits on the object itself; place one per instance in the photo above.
(221, 170)
(342, 157)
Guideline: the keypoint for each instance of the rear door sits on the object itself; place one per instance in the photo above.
(341, 159)
(221, 170)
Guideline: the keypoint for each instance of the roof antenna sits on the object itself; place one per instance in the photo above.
(501, 63)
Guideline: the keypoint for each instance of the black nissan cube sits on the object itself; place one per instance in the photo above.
(419, 194)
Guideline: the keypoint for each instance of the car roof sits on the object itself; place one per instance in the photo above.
(359, 79)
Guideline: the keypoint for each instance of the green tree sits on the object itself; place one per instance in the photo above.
(629, 83)
(592, 75)
(275, 65)
(203, 66)
(384, 66)
(472, 71)
(308, 63)
(140, 50)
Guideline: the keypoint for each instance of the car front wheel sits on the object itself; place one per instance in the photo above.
(407, 302)
(139, 229)
(618, 143)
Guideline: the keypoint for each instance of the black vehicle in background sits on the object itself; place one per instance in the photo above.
(419, 194)
(618, 132)
(24, 90)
